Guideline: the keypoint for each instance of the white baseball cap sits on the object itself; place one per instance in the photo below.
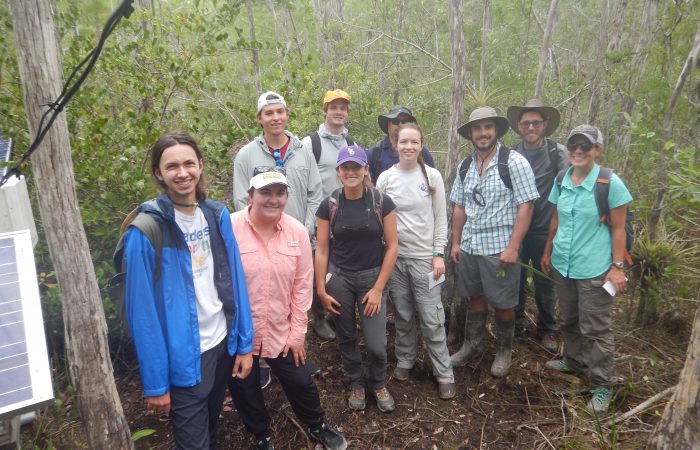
(263, 101)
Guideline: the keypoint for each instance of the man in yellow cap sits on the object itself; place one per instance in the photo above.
(332, 135)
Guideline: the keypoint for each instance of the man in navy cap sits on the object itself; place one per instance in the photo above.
(383, 154)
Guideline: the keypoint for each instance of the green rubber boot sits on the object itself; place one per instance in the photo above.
(474, 330)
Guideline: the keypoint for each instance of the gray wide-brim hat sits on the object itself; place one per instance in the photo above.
(393, 114)
(481, 113)
(549, 113)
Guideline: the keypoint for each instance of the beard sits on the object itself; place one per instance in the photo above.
(486, 147)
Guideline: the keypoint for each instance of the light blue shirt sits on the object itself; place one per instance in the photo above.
(488, 228)
(583, 246)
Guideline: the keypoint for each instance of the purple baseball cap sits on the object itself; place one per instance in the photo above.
(353, 153)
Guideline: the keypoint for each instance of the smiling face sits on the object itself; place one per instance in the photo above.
(531, 127)
(179, 171)
(267, 203)
(336, 113)
(579, 158)
(409, 144)
(273, 119)
(351, 174)
(482, 133)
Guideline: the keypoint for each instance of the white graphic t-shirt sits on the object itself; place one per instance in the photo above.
(210, 313)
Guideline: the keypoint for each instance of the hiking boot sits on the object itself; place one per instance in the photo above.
(265, 444)
(401, 374)
(550, 342)
(385, 402)
(323, 328)
(357, 399)
(600, 402)
(265, 377)
(474, 329)
(504, 348)
(447, 390)
(558, 365)
(329, 437)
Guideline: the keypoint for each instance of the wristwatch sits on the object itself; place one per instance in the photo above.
(438, 254)
(619, 264)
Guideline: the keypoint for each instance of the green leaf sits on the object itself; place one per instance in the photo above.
(142, 433)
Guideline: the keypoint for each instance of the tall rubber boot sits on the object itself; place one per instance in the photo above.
(474, 330)
(320, 323)
(504, 348)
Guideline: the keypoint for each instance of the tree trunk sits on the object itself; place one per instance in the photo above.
(256, 59)
(599, 64)
(52, 167)
(679, 427)
(661, 148)
(544, 50)
(456, 20)
(485, 30)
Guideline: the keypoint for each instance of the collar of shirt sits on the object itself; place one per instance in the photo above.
(588, 182)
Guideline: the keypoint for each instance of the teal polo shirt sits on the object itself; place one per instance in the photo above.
(583, 245)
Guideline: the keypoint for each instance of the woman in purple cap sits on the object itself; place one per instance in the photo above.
(355, 255)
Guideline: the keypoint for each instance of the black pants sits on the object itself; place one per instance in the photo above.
(298, 386)
(194, 411)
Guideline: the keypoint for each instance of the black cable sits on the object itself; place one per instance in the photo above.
(56, 107)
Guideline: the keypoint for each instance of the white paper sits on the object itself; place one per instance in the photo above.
(432, 282)
(608, 286)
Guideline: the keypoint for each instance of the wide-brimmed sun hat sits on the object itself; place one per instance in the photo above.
(548, 113)
(395, 112)
(481, 113)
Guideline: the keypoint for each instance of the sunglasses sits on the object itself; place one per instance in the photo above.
(264, 169)
(279, 162)
(584, 146)
(478, 197)
(398, 121)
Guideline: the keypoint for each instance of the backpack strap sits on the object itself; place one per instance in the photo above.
(150, 228)
(560, 179)
(349, 140)
(553, 156)
(375, 162)
(464, 167)
(377, 203)
(333, 210)
(503, 169)
(601, 190)
(316, 145)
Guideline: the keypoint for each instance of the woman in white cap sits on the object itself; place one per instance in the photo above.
(421, 212)
(585, 253)
(278, 267)
(355, 255)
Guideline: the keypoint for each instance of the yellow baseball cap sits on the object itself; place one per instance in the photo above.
(335, 95)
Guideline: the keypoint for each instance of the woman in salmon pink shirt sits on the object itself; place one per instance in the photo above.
(278, 267)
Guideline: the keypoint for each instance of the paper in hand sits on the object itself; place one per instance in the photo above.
(432, 282)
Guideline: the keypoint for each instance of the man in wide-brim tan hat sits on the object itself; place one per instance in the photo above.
(534, 122)
(492, 195)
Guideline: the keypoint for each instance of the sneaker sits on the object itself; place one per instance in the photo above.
(600, 402)
(558, 365)
(265, 377)
(550, 342)
(447, 390)
(385, 402)
(401, 374)
(329, 437)
(265, 444)
(357, 399)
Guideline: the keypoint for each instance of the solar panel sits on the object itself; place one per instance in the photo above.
(25, 376)
(6, 146)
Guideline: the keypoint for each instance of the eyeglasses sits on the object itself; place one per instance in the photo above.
(478, 197)
(279, 162)
(584, 146)
(264, 169)
(531, 123)
(398, 121)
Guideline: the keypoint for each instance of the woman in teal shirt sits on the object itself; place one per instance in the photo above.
(585, 254)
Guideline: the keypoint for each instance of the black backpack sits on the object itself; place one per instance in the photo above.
(116, 286)
(504, 170)
(316, 144)
(601, 189)
(377, 202)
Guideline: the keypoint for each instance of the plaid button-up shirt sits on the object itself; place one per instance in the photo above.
(488, 228)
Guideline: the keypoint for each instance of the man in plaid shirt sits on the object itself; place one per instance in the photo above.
(493, 198)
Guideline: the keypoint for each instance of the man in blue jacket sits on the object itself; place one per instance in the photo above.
(191, 325)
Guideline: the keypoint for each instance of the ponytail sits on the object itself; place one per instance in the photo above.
(421, 163)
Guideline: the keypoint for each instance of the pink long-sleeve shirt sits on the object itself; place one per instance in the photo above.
(279, 277)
